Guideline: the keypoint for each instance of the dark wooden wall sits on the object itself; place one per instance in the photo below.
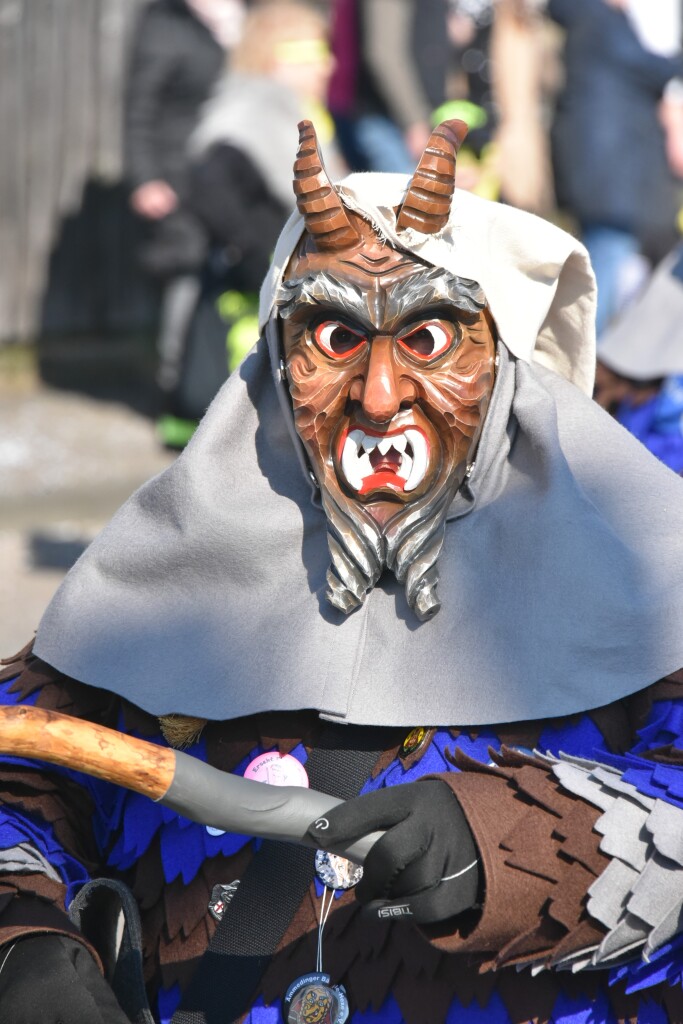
(67, 240)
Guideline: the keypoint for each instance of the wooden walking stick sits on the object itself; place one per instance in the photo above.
(177, 780)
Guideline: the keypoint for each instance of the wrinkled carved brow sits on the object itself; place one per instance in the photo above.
(428, 287)
(321, 289)
(432, 287)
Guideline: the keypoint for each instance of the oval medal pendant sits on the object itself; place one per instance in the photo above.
(312, 1000)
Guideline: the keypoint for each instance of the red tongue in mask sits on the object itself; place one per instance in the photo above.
(390, 462)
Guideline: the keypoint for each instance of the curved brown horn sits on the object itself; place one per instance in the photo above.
(427, 202)
(326, 219)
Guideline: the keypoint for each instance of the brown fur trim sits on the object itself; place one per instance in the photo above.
(25, 915)
(33, 885)
(387, 758)
(14, 666)
(181, 730)
(669, 688)
(20, 656)
(175, 919)
(532, 876)
(283, 731)
(667, 754)
(618, 722)
(60, 802)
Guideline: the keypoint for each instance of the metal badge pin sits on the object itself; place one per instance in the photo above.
(414, 741)
(220, 897)
(277, 770)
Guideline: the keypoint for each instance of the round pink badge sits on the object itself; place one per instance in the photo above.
(277, 770)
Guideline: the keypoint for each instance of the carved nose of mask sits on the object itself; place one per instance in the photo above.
(381, 397)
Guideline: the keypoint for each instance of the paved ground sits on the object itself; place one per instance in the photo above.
(66, 463)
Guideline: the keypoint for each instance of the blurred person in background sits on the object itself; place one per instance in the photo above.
(239, 181)
(178, 51)
(618, 160)
(392, 61)
(609, 146)
(470, 74)
(469, 94)
(524, 68)
(640, 368)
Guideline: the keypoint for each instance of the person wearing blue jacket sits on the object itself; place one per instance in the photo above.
(608, 146)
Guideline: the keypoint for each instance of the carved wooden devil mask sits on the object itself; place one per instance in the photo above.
(390, 367)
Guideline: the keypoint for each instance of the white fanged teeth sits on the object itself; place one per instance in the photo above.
(356, 464)
(351, 460)
(406, 467)
(418, 443)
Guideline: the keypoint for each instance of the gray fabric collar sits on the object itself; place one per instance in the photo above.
(561, 576)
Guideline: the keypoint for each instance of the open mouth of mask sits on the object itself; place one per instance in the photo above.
(370, 461)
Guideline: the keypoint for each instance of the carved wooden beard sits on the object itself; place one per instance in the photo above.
(390, 365)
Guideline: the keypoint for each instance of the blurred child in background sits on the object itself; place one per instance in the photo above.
(240, 180)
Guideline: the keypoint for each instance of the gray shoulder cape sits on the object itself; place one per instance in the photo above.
(561, 576)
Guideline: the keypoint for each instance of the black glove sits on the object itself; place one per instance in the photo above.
(425, 869)
(51, 979)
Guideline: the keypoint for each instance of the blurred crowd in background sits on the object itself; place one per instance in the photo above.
(146, 169)
(575, 110)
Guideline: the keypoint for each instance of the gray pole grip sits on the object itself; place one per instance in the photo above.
(212, 797)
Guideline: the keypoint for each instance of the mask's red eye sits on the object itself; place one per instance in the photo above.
(338, 340)
(429, 340)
